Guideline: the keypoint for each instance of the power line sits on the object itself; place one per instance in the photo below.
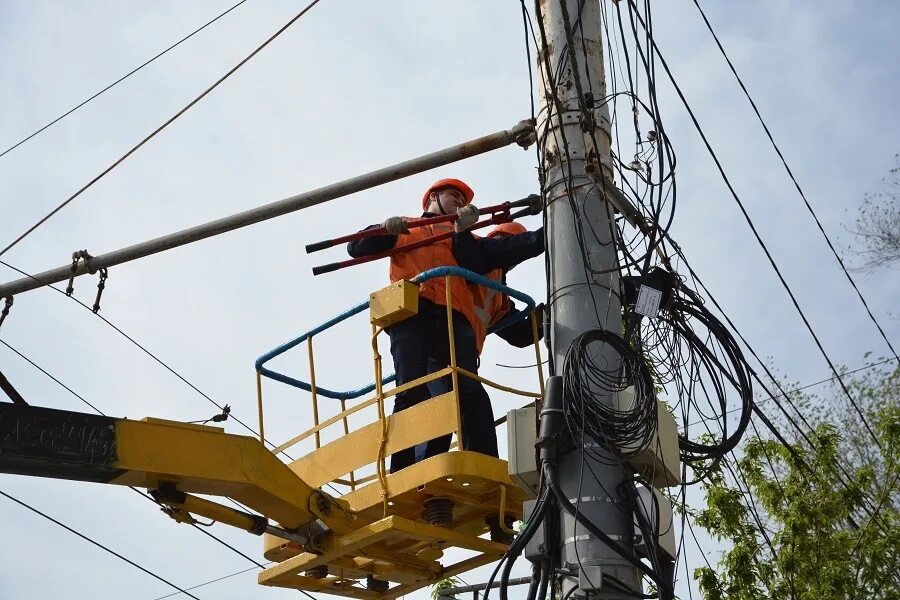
(158, 360)
(159, 129)
(216, 580)
(167, 367)
(884, 498)
(809, 385)
(119, 80)
(223, 577)
(794, 180)
(60, 383)
(771, 426)
(98, 544)
(145, 351)
(201, 529)
(100, 412)
(756, 234)
(134, 489)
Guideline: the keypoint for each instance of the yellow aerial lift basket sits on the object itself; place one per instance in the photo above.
(412, 516)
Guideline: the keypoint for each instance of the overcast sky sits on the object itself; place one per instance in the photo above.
(352, 87)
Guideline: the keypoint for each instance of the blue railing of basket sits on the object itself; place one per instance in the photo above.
(420, 278)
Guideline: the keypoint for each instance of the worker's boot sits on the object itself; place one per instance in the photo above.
(498, 534)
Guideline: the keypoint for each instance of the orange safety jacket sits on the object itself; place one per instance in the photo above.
(490, 306)
(406, 265)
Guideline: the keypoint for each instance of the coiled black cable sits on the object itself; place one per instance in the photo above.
(589, 376)
(729, 370)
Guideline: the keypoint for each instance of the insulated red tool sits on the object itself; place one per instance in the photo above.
(500, 213)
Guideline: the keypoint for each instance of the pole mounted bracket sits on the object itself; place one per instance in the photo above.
(535, 204)
(524, 133)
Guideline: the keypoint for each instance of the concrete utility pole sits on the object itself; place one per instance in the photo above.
(574, 131)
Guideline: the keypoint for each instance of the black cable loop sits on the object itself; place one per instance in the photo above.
(622, 433)
(759, 240)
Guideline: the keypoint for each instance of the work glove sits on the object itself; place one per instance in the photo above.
(395, 225)
(466, 217)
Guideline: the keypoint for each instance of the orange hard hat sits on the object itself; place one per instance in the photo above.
(454, 183)
(511, 228)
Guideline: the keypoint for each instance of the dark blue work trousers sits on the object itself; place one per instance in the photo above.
(420, 345)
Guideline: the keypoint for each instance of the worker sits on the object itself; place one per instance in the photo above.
(420, 344)
(492, 306)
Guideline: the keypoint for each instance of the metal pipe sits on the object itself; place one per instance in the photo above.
(518, 134)
(255, 524)
(450, 593)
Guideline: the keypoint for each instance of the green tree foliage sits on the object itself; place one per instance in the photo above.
(877, 226)
(792, 528)
(442, 585)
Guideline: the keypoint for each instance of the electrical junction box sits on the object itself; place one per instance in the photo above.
(660, 462)
(538, 549)
(657, 511)
(521, 435)
(394, 303)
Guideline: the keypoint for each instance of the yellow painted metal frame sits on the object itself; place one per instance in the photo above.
(389, 538)
(370, 550)
(155, 453)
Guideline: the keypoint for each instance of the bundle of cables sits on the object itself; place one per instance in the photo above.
(685, 351)
(724, 365)
(704, 359)
(600, 364)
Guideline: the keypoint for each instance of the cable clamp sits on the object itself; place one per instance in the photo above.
(78, 255)
(524, 133)
(223, 416)
(6, 306)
